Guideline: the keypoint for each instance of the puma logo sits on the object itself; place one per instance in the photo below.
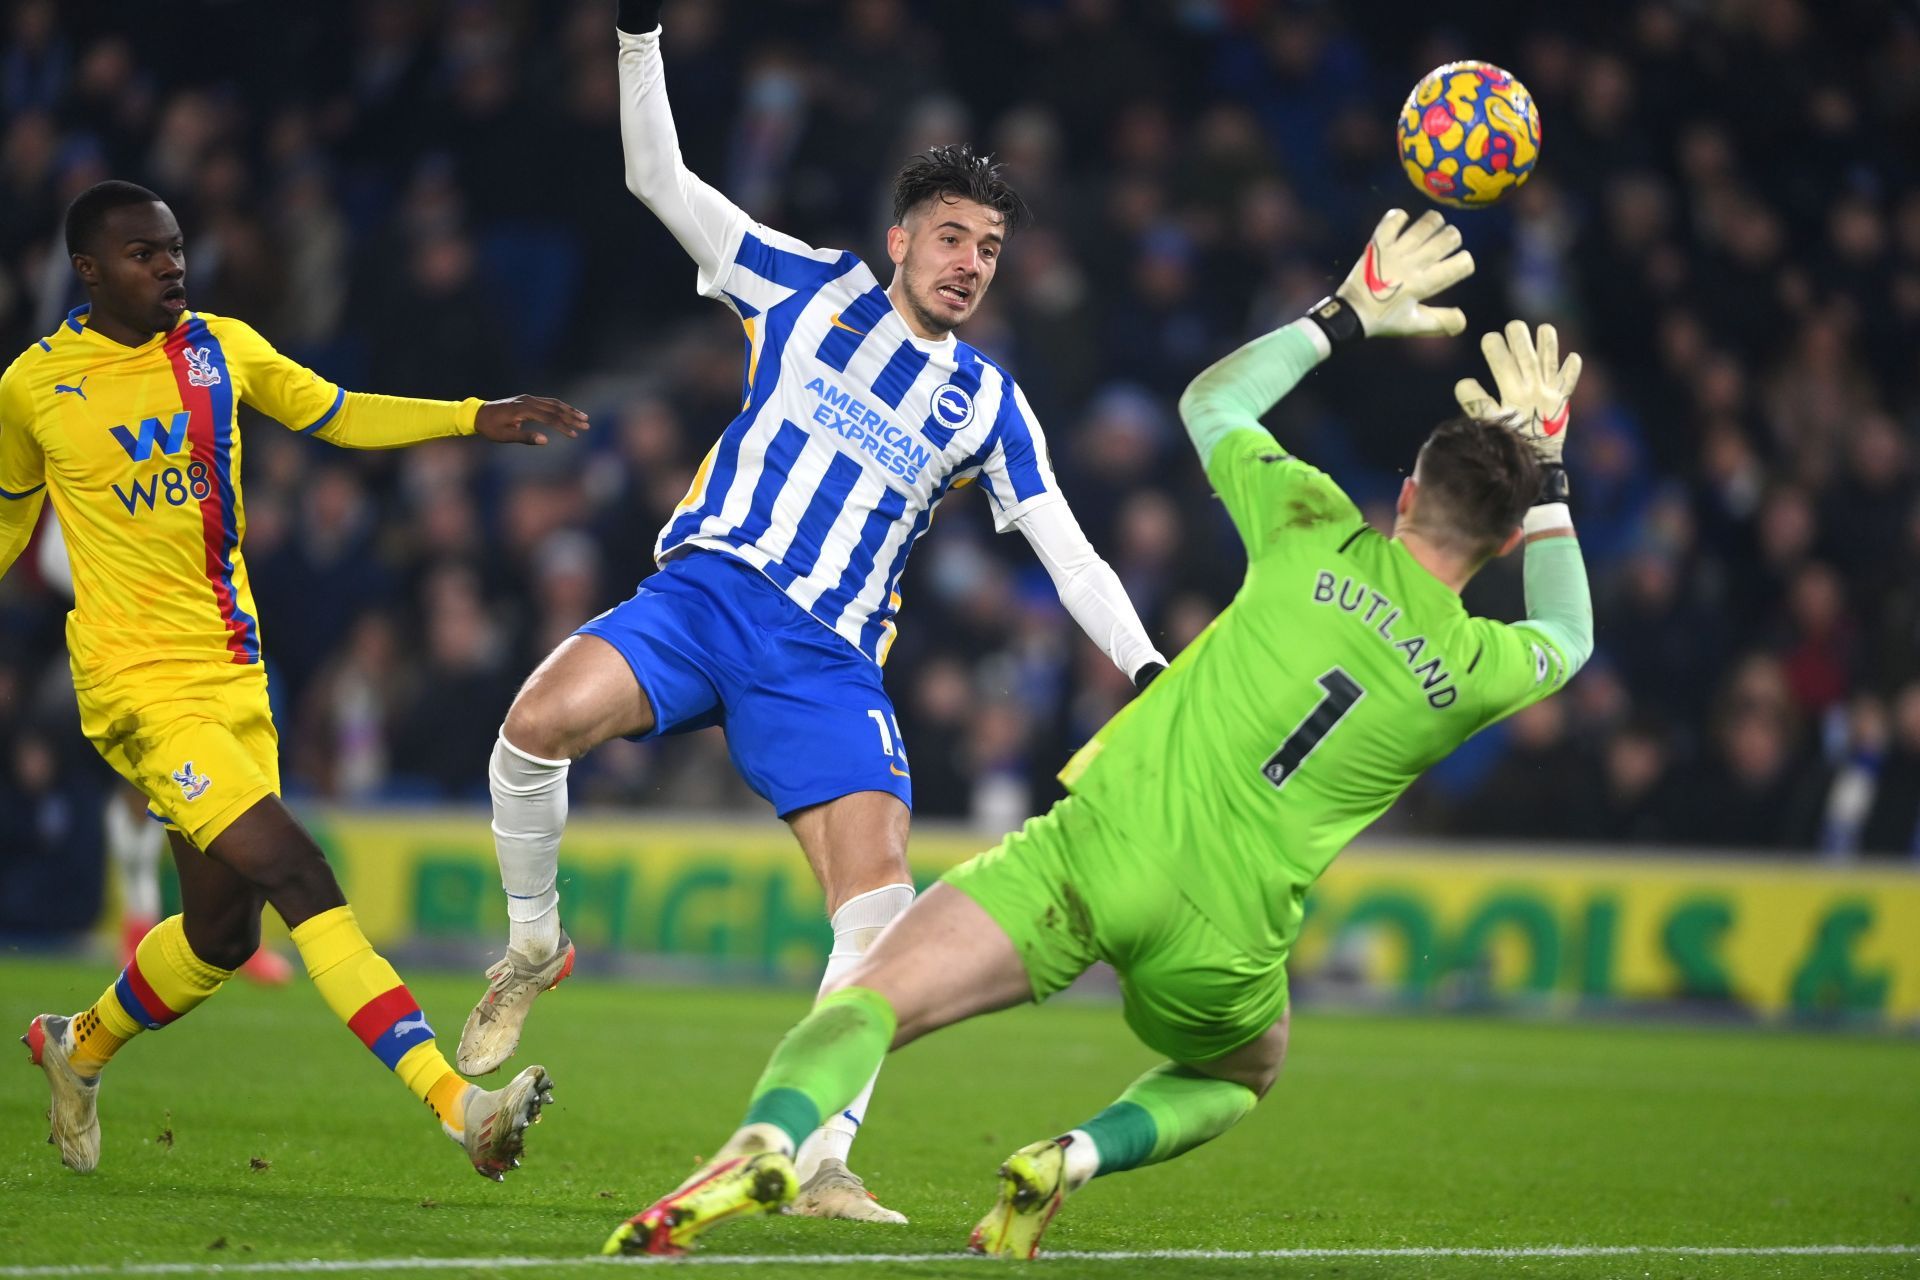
(418, 1022)
(80, 390)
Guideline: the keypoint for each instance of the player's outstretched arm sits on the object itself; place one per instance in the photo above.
(706, 223)
(290, 393)
(23, 476)
(1384, 296)
(1535, 394)
(368, 421)
(1019, 474)
(1091, 591)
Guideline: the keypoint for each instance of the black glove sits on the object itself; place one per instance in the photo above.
(638, 17)
(1144, 676)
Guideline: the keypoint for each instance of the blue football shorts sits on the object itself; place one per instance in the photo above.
(713, 642)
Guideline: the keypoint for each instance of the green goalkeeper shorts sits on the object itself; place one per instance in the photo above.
(1069, 890)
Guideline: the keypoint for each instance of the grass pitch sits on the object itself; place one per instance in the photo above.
(258, 1135)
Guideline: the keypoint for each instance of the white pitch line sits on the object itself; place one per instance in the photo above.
(322, 1266)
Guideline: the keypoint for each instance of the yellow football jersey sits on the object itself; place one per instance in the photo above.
(139, 449)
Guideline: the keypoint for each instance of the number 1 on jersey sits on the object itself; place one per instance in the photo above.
(1342, 691)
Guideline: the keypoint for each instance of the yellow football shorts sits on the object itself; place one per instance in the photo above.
(196, 738)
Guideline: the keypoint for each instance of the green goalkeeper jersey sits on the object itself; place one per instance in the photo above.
(1340, 671)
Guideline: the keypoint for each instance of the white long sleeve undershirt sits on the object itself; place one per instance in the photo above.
(706, 223)
(1088, 586)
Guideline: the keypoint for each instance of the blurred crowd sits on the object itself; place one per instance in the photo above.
(425, 198)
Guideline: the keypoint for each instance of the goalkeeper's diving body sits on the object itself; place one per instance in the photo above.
(126, 419)
(773, 609)
(1200, 815)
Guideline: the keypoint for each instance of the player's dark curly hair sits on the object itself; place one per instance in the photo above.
(1477, 479)
(89, 210)
(955, 172)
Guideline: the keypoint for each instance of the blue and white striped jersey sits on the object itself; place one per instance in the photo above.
(851, 428)
(851, 431)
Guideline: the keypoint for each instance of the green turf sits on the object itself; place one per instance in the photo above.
(1383, 1133)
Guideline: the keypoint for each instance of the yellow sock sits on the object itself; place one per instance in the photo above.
(93, 1044)
(364, 992)
(426, 1071)
(162, 982)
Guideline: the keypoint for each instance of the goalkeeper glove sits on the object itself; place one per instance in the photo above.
(638, 17)
(1536, 393)
(1385, 293)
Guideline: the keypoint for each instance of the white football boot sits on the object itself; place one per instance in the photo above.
(496, 1121)
(493, 1028)
(74, 1115)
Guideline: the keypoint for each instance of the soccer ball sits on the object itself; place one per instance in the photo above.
(1469, 134)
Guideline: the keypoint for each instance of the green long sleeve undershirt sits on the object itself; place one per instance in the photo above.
(1559, 604)
(1232, 394)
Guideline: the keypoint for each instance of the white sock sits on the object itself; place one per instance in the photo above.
(855, 925)
(1082, 1159)
(529, 811)
(134, 844)
(752, 1139)
(748, 1140)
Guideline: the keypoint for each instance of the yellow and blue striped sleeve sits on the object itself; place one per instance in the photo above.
(283, 389)
(23, 472)
(296, 396)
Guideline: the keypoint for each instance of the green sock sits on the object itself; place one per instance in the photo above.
(1169, 1110)
(823, 1062)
